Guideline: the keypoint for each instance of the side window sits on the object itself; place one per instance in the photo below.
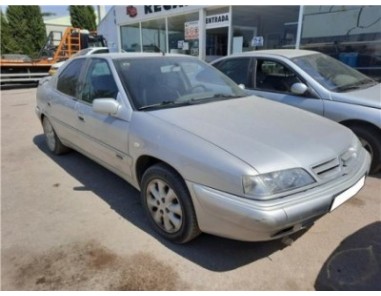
(99, 82)
(238, 69)
(68, 79)
(274, 76)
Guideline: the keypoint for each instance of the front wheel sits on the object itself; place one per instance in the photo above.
(168, 204)
(371, 143)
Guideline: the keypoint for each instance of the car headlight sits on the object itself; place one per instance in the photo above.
(262, 186)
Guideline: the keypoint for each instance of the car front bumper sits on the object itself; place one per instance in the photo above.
(234, 217)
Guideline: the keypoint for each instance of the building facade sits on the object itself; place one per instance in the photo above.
(349, 33)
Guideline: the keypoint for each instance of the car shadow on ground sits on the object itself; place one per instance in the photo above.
(211, 252)
(355, 265)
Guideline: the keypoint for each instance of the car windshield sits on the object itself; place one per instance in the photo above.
(165, 82)
(333, 74)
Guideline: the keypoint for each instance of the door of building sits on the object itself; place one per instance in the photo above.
(216, 43)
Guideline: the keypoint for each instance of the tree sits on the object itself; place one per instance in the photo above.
(83, 17)
(26, 28)
(7, 43)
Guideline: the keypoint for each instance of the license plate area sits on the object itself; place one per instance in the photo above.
(347, 194)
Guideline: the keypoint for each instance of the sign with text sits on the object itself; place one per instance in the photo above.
(217, 21)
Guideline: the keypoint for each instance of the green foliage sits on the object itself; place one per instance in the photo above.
(24, 30)
(83, 17)
(7, 44)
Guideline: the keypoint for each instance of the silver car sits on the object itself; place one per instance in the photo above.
(204, 155)
(314, 82)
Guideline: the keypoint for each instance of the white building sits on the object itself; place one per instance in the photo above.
(349, 33)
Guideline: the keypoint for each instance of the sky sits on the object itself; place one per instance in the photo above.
(59, 10)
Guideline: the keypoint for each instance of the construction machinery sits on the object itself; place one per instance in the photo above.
(20, 69)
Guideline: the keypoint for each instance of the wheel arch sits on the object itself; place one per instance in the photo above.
(146, 161)
(361, 123)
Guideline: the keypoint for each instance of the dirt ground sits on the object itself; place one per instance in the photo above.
(69, 224)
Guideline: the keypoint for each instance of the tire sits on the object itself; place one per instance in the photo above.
(52, 141)
(168, 204)
(370, 142)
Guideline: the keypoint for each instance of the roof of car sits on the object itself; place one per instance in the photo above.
(287, 53)
(116, 55)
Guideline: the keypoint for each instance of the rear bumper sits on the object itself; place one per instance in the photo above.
(239, 218)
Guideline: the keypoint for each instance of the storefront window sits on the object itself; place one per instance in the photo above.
(130, 37)
(183, 34)
(352, 34)
(154, 36)
(263, 27)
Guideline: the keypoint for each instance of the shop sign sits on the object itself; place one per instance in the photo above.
(148, 9)
(217, 21)
(191, 30)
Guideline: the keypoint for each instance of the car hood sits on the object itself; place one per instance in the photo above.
(370, 97)
(267, 135)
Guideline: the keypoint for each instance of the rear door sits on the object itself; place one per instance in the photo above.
(62, 103)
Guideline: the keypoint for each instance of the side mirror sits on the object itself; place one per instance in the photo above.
(106, 106)
(299, 88)
(241, 86)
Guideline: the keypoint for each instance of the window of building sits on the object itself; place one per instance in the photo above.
(263, 27)
(183, 34)
(130, 38)
(154, 36)
(351, 34)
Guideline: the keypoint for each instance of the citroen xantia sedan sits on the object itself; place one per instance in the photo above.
(204, 155)
(314, 82)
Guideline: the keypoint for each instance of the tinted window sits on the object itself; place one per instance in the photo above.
(68, 79)
(99, 82)
(274, 76)
(239, 70)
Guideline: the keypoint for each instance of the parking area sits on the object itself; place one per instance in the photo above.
(69, 224)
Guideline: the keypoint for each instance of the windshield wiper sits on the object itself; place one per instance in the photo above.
(161, 104)
(357, 85)
(226, 96)
(191, 101)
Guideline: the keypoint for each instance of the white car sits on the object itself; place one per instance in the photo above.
(87, 51)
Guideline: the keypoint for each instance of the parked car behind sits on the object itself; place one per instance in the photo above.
(87, 51)
(314, 82)
(205, 156)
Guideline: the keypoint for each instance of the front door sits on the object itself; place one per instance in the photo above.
(105, 136)
(216, 43)
(273, 80)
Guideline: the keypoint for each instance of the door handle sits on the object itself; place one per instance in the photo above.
(81, 118)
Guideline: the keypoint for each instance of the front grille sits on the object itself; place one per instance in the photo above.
(328, 169)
